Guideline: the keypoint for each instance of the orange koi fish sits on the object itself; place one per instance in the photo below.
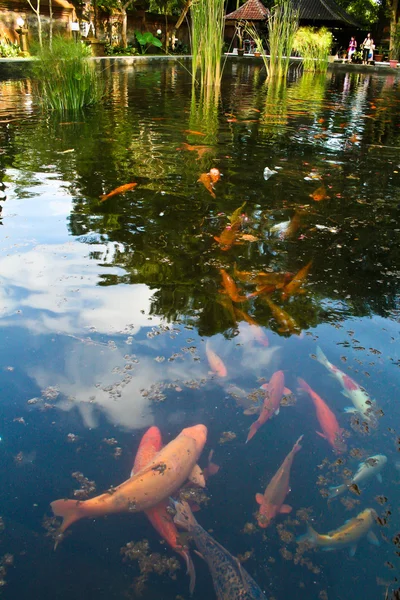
(329, 424)
(274, 390)
(191, 132)
(227, 239)
(272, 502)
(159, 516)
(208, 180)
(319, 194)
(287, 323)
(293, 287)
(216, 363)
(201, 150)
(294, 225)
(119, 190)
(157, 481)
(259, 334)
(230, 287)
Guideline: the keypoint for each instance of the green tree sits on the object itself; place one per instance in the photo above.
(166, 8)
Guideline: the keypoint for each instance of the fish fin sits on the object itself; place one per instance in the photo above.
(69, 510)
(310, 537)
(352, 550)
(336, 490)
(183, 516)
(287, 392)
(199, 554)
(190, 570)
(277, 411)
(196, 476)
(371, 537)
(259, 498)
(253, 410)
(349, 409)
(321, 434)
(321, 358)
(345, 394)
(379, 477)
(285, 509)
(253, 430)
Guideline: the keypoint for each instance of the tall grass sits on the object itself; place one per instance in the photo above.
(254, 34)
(207, 41)
(65, 78)
(283, 24)
(314, 46)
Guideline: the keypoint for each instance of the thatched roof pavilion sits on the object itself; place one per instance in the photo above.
(252, 10)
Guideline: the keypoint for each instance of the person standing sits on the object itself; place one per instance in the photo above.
(367, 43)
(352, 47)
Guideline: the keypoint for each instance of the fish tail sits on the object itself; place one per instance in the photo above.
(253, 430)
(304, 385)
(336, 490)
(297, 445)
(184, 517)
(69, 510)
(190, 570)
(321, 358)
(310, 537)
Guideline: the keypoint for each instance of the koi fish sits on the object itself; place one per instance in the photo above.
(231, 581)
(158, 480)
(347, 535)
(271, 503)
(319, 194)
(259, 334)
(230, 287)
(228, 236)
(361, 401)
(237, 214)
(293, 287)
(287, 323)
(119, 190)
(205, 179)
(278, 280)
(329, 424)
(201, 150)
(159, 516)
(191, 132)
(370, 467)
(211, 468)
(274, 390)
(216, 363)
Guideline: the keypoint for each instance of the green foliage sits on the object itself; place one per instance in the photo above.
(147, 39)
(314, 46)
(207, 39)
(8, 49)
(65, 78)
(165, 7)
(282, 26)
(364, 11)
(120, 50)
(254, 34)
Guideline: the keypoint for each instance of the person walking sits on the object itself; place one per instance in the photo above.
(367, 43)
(352, 48)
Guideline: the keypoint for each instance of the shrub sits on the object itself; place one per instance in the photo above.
(65, 78)
(120, 50)
(314, 46)
(8, 49)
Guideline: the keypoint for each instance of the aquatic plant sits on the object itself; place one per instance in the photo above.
(207, 40)
(147, 39)
(282, 24)
(254, 34)
(314, 46)
(65, 78)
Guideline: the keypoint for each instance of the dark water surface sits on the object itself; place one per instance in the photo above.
(106, 308)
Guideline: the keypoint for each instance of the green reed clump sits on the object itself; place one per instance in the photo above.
(207, 40)
(282, 24)
(65, 78)
(254, 34)
(314, 46)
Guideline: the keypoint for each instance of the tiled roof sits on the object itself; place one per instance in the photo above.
(252, 10)
(323, 10)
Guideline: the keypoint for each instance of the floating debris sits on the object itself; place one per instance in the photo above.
(149, 562)
(227, 436)
(87, 486)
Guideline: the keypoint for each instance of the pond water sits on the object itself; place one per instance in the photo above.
(110, 308)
